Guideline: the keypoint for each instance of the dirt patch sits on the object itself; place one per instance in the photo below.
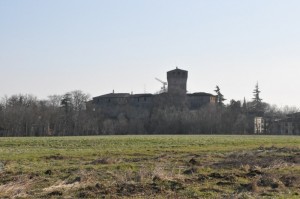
(265, 158)
(270, 181)
(250, 187)
(222, 183)
(87, 194)
(202, 178)
(96, 188)
(211, 190)
(264, 184)
(191, 171)
(291, 180)
(54, 157)
(127, 189)
(73, 180)
(62, 185)
(106, 161)
(1, 166)
(254, 171)
(227, 178)
(166, 184)
(137, 159)
(55, 193)
(216, 175)
(293, 159)
(48, 172)
(17, 187)
(193, 161)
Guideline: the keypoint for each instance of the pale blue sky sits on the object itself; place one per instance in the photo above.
(51, 47)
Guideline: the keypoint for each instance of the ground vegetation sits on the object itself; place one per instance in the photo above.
(140, 166)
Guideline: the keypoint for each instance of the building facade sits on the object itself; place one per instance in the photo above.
(259, 125)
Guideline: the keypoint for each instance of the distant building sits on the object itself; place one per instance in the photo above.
(176, 94)
(259, 125)
(289, 125)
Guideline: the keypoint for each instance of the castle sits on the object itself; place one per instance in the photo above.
(176, 94)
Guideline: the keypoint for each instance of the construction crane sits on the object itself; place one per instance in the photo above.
(164, 87)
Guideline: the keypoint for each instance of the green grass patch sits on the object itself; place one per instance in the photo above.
(185, 166)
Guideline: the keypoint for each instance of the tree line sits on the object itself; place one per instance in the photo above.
(72, 114)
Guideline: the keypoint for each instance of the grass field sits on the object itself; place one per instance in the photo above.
(150, 167)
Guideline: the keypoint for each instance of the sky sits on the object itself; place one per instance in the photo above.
(52, 47)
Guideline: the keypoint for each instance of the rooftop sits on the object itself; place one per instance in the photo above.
(112, 95)
(142, 95)
(177, 70)
(200, 94)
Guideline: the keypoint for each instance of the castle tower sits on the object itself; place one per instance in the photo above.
(177, 81)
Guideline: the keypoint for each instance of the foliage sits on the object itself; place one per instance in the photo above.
(73, 114)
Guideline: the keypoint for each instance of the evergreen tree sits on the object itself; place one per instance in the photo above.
(244, 106)
(257, 101)
(67, 106)
(66, 102)
(220, 96)
(256, 93)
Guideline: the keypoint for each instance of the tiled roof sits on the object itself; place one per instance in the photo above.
(201, 94)
(142, 95)
(111, 95)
